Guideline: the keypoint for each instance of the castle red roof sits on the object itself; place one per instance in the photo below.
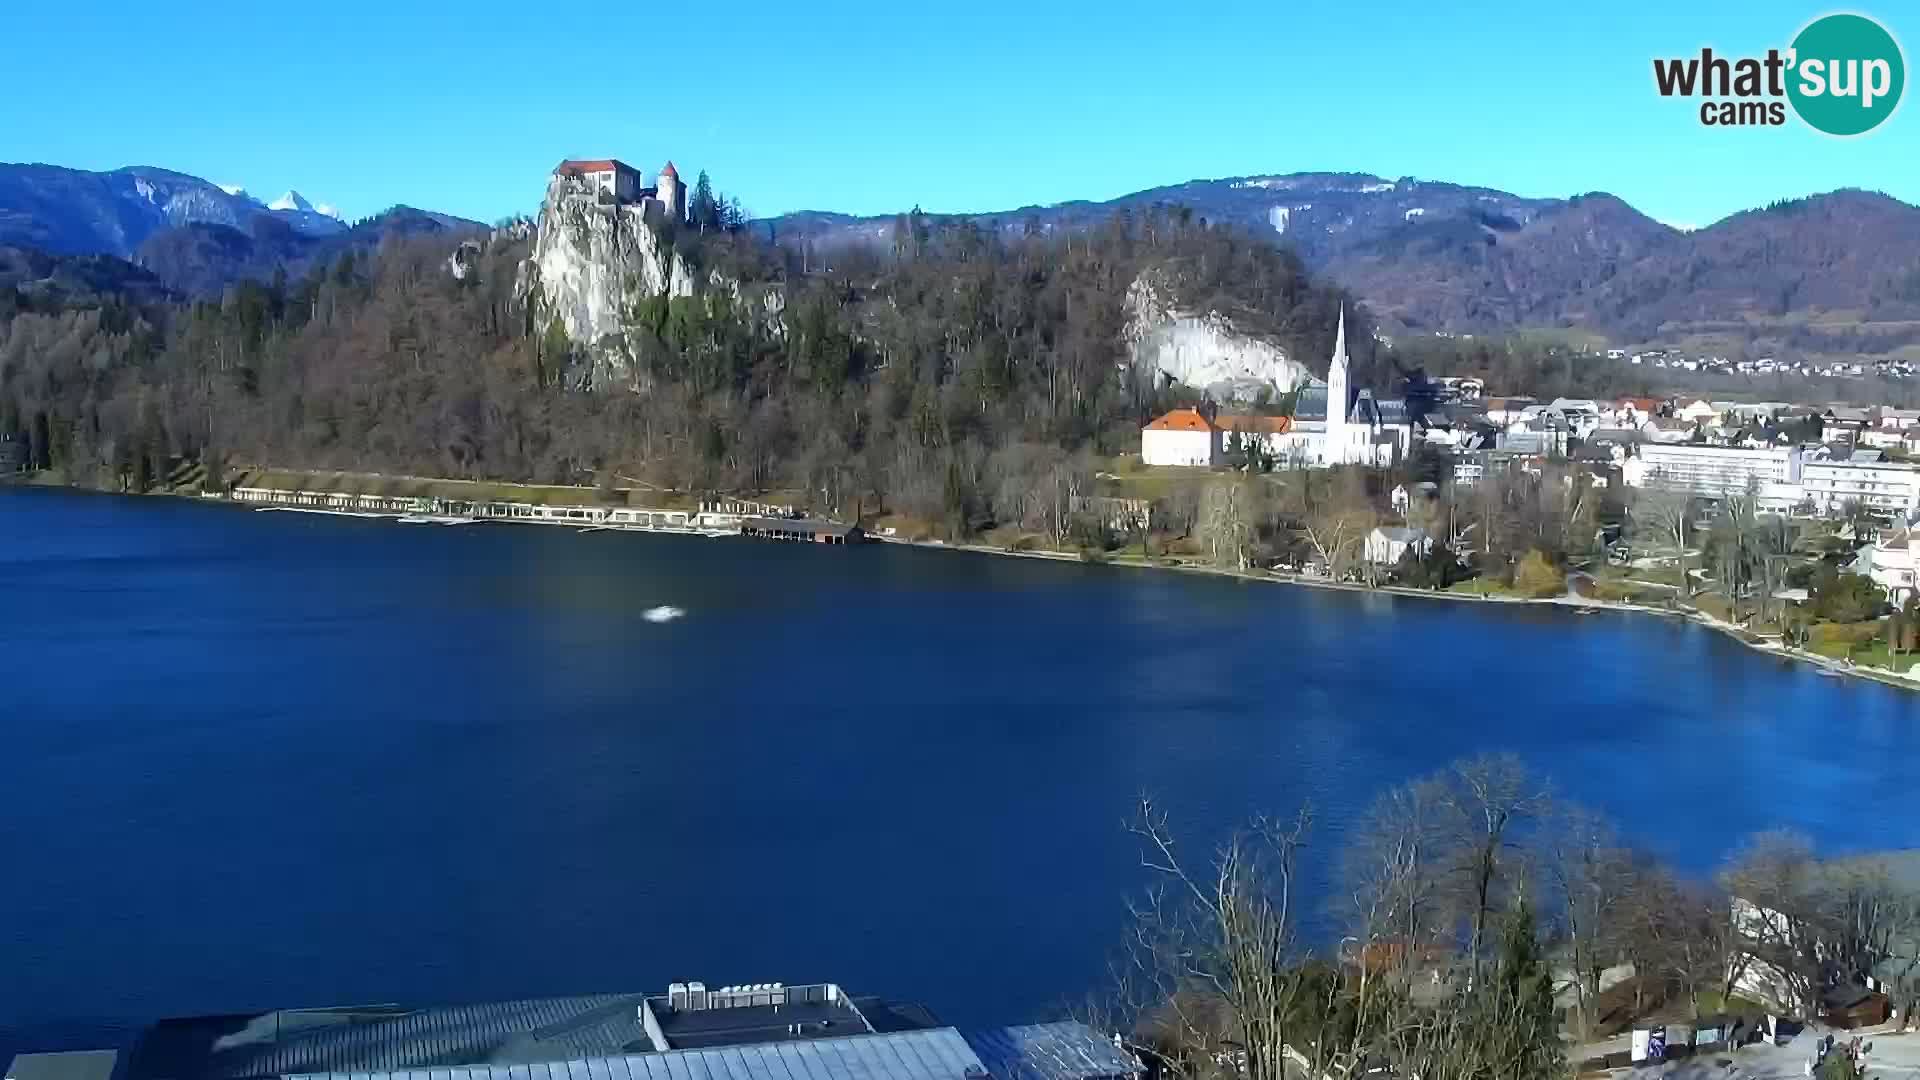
(572, 167)
(669, 170)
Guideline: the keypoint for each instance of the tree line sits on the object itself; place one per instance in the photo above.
(1488, 928)
(925, 380)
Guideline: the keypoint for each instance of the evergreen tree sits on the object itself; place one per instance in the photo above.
(703, 208)
(1523, 997)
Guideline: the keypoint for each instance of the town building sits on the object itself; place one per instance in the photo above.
(1502, 411)
(1202, 437)
(1892, 564)
(611, 182)
(1889, 487)
(1711, 470)
(1899, 419)
(1183, 438)
(1698, 412)
(1667, 429)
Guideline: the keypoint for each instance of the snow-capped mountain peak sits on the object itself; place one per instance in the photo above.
(236, 190)
(327, 210)
(292, 200)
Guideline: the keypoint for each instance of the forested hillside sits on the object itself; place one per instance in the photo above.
(928, 377)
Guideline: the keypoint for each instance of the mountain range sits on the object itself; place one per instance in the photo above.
(1832, 273)
(1836, 271)
(187, 235)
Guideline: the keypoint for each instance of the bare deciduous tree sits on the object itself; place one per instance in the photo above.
(1592, 877)
(1665, 515)
(1489, 800)
(1213, 952)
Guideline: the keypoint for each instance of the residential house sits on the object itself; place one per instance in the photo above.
(1668, 429)
(1844, 421)
(1698, 412)
(1502, 411)
(1387, 543)
(1890, 562)
(1899, 419)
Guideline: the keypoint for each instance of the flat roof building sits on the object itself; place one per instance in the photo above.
(1716, 471)
(763, 1031)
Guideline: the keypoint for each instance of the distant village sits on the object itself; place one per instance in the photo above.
(1859, 465)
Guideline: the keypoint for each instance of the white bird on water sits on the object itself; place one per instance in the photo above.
(663, 613)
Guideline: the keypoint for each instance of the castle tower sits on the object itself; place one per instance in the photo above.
(1337, 436)
(668, 191)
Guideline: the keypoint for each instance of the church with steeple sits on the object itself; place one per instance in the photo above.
(1331, 425)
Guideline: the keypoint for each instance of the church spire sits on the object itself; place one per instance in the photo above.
(1337, 376)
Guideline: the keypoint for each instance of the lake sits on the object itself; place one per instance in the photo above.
(274, 759)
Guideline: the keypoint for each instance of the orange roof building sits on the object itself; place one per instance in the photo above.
(1182, 420)
(1191, 438)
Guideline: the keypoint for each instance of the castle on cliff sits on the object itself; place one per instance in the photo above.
(611, 182)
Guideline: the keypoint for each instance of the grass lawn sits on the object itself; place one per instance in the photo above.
(1482, 586)
(1872, 654)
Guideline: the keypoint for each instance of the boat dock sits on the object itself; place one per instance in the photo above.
(715, 519)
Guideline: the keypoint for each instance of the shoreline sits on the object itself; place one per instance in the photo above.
(1570, 601)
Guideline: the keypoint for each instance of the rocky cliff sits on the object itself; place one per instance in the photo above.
(1203, 349)
(591, 262)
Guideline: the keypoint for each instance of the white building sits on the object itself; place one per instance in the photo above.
(1899, 419)
(1891, 563)
(1356, 429)
(1711, 470)
(1698, 412)
(1887, 486)
(1190, 438)
(1183, 438)
(1386, 544)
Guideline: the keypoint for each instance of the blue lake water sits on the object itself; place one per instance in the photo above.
(251, 760)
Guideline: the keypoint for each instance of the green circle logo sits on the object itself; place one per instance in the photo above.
(1848, 73)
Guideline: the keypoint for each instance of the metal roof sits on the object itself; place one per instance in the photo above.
(358, 1040)
(937, 1054)
(1063, 1051)
(64, 1065)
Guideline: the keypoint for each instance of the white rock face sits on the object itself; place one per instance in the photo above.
(592, 261)
(1203, 350)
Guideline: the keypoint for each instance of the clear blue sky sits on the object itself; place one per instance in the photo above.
(873, 107)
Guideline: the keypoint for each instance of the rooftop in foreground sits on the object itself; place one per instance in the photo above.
(756, 1032)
